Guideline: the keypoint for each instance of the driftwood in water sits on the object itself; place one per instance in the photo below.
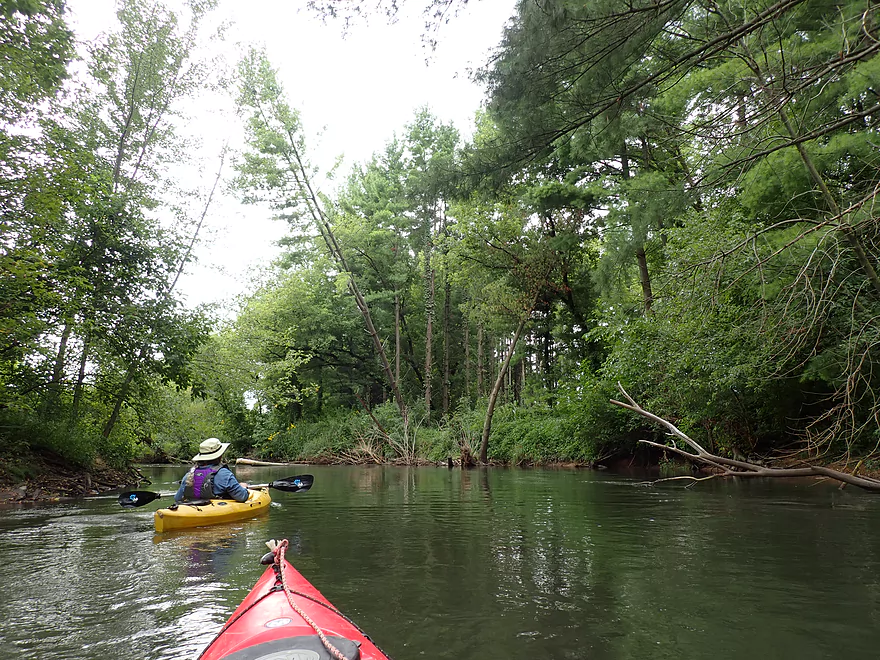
(733, 468)
(250, 461)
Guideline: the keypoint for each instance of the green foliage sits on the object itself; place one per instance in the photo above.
(89, 322)
(655, 190)
(521, 435)
(595, 430)
(35, 47)
(332, 435)
(174, 422)
(529, 435)
(78, 443)
(678, 198)
(121, 447)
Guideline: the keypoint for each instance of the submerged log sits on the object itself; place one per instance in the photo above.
(729, 467)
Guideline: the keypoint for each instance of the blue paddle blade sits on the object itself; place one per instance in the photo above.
(298, 484)
(135, 498)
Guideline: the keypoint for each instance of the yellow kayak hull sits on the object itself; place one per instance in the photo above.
(214, 513)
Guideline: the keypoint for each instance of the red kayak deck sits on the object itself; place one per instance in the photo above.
(265, 625)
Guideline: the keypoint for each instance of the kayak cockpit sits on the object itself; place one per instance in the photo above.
(304, 647)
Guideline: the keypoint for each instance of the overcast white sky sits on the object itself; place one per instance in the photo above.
(354, 93)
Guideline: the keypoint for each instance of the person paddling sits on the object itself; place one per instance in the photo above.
(209, 479)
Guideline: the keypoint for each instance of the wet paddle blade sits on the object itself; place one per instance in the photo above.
(298, 484)
(134, 498)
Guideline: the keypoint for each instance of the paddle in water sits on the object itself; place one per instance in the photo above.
(297, 484)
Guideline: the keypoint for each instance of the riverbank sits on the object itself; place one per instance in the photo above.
(44, 477)
(40, 476)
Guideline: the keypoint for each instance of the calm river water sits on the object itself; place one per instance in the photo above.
(437, 563)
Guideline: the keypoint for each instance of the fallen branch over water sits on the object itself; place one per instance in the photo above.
(251, 461)
(734, 468)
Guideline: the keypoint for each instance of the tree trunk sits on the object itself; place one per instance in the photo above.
(645, 279)
(320, 392)
(301, 175)
(848, 232)
(547, 360)
(467, 358)
(641, 257)
(80, 378)
(447, 311)
(121, 396)
(397, 337)
(479, 360)
(729, 467)
(493, 397)
(510, 392)
(410, 356)
(58, 369)
(429, 324)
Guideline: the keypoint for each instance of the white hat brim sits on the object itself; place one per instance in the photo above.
(214, 454)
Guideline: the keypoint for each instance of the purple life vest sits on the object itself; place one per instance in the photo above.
(200, 483)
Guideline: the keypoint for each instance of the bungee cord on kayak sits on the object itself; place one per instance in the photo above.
(302, 622)
(278, 549)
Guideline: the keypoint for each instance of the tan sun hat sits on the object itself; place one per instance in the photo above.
(210, 449)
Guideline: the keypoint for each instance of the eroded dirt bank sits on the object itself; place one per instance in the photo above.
(44, 477)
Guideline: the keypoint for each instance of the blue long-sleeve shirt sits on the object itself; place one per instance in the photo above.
(225, 486)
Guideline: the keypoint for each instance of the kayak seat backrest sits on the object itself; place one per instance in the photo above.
(304, 647)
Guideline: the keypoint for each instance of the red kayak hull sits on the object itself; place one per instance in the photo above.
(265, 624)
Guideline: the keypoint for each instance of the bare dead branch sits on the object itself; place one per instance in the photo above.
(735, 468)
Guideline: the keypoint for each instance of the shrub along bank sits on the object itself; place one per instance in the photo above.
(521, 435)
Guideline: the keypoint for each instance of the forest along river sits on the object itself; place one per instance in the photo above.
(436, 563)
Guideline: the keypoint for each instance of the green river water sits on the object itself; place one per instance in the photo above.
(436, 563)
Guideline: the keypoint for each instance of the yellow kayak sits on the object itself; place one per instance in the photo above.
(212, 513)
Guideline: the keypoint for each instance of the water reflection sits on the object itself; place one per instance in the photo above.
(466, 564)
(477, 478)
(207, 551)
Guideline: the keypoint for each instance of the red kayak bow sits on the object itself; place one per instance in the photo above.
(284, 616)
